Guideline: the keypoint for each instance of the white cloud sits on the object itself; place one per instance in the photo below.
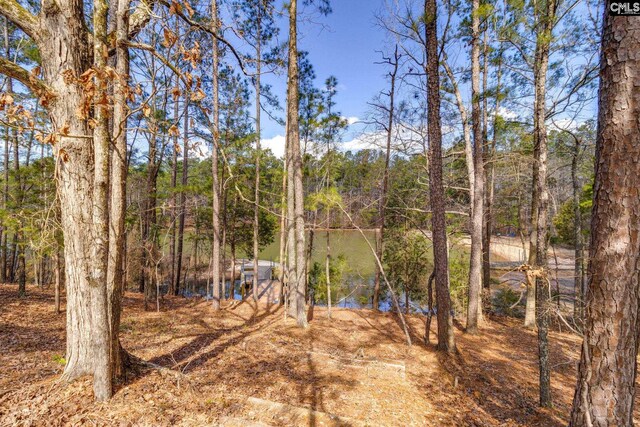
(351, 120)
(275, 144)
(507, 113)
(408, 140)
(360, 143)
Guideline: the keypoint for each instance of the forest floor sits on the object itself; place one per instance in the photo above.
(248, 366)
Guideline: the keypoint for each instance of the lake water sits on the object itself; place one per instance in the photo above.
(349, 243)
(356, 289)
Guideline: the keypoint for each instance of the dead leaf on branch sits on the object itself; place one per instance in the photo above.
(87, 75)
(190, 10)
(197, 96)
(169, 38)
(176, 92)
(175, 8)
(5, 100)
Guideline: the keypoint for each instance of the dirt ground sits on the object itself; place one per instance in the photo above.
(248, 366)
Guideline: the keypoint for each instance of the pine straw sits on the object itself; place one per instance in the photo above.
(200, 366)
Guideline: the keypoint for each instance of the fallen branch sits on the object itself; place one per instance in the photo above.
(384, 275)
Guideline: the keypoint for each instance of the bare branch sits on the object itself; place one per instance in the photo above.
(20, 16)
(208, 30)
(13, 70)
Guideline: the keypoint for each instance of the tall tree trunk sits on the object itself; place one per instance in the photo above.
(474, 311)
(605, 390)
(295, 199)
(546, 18)
(218, 278)
(65, 48)
(232, 246)
(256, 207)
(183, 197)
(284, 227)
(151, 238)
(309, 254)
(578, 304)
(172, 200)
(18, 264)
(147, 276)
(385, 178)
(71, 59)
(490, 176)
(12, 136)
(5, 195)
(224, 191)
(118, 195)
(13, 258)
(22, 266)
(446, 340)
(58, 280)
(327, 266)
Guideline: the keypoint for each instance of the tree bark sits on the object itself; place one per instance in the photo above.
(5, 196)
(446, 340)
(183, 198)
(284, 227)
(172, 199)
(256, 207)
(295, 199)
(474, 309)
(58, 280)
(82, 165)
(327, 266)
(118, 195)
(545, 13)
(147, 273)
(215, 252)
(578, 304)
(605, 389)
(490, 177)
(427, 326)
(18, 264)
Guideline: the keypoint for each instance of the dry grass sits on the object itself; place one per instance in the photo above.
(355, 366)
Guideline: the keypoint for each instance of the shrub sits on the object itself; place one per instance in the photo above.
(505, 302)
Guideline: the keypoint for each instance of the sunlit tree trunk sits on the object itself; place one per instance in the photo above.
(446, 340)
(58, 280)
(284, 227)
(5, 194)
(490, 174)
(474, 311)
(578, 304)
(545, 14)
(295, 199)
(606, 385)
(115, 273)
(256, 207)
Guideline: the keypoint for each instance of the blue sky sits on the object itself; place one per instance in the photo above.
(344, 45)
(348, 43)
